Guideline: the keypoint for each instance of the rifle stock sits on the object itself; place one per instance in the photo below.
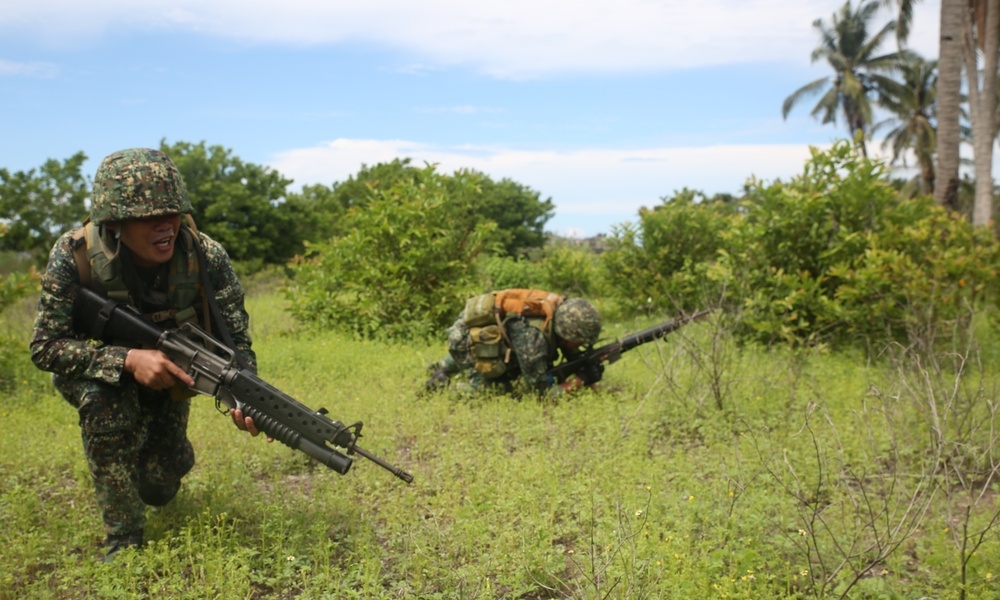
(214, 369)
(611, 352)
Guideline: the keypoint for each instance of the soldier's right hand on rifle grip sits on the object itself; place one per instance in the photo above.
(572, 384)
(152, 369)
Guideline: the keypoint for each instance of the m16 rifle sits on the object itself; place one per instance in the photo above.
(588, 365)
(215, 371)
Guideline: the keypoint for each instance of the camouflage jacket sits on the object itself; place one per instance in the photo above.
(57, 347)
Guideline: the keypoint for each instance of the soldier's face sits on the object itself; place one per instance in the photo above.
(152, 239)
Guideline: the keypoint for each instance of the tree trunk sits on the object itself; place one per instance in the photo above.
(927, 175)
(982, 33)
(948, 99)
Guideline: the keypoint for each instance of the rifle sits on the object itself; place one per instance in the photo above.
(587, 365)
(215, 371)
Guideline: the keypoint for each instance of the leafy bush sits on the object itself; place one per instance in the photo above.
(573, 270)
(916, 280)
(836, 256)
(660, 264)
(407, 261)
(13, 287)
(832, 256)
(240, 204)
(503, 272)
(37, 206)
(518, 211)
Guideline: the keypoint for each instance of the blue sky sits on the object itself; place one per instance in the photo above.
(604, 106)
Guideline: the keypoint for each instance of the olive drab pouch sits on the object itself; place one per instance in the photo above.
(488, 350)
(480, 310)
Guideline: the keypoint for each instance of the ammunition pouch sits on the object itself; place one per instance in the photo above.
(488, 350)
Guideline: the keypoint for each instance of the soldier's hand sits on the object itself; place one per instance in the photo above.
(245, 423)
(152, 369)
(571, 385)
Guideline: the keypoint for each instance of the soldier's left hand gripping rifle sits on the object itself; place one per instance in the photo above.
(216, 373)
(588, 365)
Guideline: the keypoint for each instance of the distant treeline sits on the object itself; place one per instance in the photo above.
(836, 255)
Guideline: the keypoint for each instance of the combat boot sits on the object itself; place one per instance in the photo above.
(117, 543)
(438, 379)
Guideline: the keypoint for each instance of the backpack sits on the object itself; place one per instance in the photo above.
(486, 314)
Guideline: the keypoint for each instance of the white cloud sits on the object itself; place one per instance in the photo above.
(591, 188)
(27, 69)
(510, 39)
(464, 109)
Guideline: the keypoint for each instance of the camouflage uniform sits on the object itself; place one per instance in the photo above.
(134, 438)
(534, 350)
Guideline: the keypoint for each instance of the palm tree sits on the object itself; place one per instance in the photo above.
(912, 103)
(905, 18)
(858, 71)
(949, 102)
(981, 46)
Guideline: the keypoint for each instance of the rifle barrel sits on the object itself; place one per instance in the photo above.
(657, 331)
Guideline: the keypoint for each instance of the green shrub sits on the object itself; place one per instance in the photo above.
(13, 287)
(836, 256)
(919, 279)
(407, 261)
(832, 256)
(573, 270)
(503, 272)
(660, 264)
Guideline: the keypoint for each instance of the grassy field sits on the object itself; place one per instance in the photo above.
(700, 470)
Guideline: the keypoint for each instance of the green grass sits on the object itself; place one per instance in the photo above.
(700, 470)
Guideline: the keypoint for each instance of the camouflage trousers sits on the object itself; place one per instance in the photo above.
(135, 440)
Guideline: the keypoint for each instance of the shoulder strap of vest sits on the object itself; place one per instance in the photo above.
(203, 269)
(88, 248)
(79, 245)
(189, 220)
(213, 311)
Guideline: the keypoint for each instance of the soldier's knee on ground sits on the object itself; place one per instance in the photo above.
(160, 482)
(158, 494)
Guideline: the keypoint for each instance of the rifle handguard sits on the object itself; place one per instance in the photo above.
(580, 364)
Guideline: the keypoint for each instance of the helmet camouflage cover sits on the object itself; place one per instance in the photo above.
(576, 320)
(137, 183)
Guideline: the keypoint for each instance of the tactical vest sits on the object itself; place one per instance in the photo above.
(486, 315)
(99, 271)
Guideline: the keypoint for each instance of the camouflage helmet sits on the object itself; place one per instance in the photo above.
(577, 321)
(137, 183)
